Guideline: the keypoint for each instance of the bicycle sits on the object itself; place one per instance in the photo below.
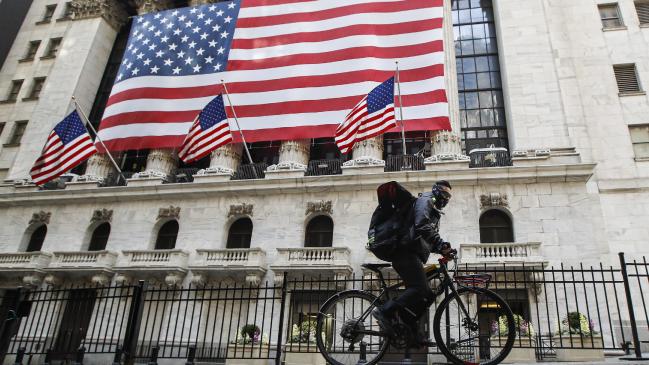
(346, 333)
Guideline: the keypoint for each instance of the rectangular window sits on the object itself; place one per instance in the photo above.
(37, 87)
(15, 90)
(640, 140)
(627, 78)
(53, 48)
(2, 127)
(19, 130)
(610, 14)
(49, 13)
(31, 50)
(642, 8)
(67, 12)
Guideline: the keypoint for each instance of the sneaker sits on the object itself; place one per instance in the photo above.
(384, 321)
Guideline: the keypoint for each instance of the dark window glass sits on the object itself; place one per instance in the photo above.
(99, 237)
(49, 12)
(262, 152)
(319, 232)
(32, 49)
(416, 143)
(15, 89)
(67, 12)
(482, 109)
(324, 149)
(53, 48)
(240, 234)
(167, 236)
(19, 130)
(495, 227)
(37, 238)
(37, 87)
(610, 14)
(2, 127)
(134, 161)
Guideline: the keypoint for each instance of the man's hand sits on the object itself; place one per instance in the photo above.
(447, 250)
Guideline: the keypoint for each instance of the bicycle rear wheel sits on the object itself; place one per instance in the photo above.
(468, 339)
(346, 332)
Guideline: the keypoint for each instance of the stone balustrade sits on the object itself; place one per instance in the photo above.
(170, 265)
(248, 263)
(312, 261)
(96, 265)
(527, 253)
(26, 267)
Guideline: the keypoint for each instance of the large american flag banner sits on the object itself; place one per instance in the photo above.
(68, 145)
(372, 116)
(294, 68)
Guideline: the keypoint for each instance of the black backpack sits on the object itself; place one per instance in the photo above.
(392, 220)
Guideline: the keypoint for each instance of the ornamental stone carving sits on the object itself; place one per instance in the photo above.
(41, 217)
(102, 215)
(240, 209)
(171, 212)
(319, 207)
(150, 6)
(446, 146)
(111, 10)
(493, 200)
(293, 155)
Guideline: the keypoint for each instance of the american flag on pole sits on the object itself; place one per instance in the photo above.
(68, 145)
(372, 116)
(294, 68)
(209, 132)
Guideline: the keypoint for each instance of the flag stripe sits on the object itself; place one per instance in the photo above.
(295, 68)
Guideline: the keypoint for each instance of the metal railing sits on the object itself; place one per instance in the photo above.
(324, 167)
(404, 163)
(490, 157)
(182, 175)
(207, 322)
(250, 171)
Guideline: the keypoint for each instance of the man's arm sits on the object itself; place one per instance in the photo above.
(426, 219)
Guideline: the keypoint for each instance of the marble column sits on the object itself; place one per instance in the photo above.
(446, 146)
(161, 161)
(99, 167)
(224, 161)
(293, 159)
(367, 157)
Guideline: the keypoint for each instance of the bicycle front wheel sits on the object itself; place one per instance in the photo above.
(474, 326)
(346, 332)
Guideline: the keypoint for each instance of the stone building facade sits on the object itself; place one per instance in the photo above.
(565, 83)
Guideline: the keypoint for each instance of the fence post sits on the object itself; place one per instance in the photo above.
(7, 326)
(191, 355)
(134, 321)
(117, 360)
(278, 356)
(629, 303)
(153, 360)
(19, 356)
(48, 357)
(81, 352)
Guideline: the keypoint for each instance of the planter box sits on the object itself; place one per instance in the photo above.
(523, 350)
(292, 357)
(247, 354)
(585, 348)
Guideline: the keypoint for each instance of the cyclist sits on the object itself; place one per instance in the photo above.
(409, 261)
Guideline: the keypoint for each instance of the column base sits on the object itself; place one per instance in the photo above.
(213, 174)
(149, 181)
(433, 164)
(363, 165)
(285, 170)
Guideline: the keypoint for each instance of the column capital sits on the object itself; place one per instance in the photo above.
(293, 156)
(151, 6)
(112, 11)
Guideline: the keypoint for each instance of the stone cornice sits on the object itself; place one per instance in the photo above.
(111, 10)
(416, 180)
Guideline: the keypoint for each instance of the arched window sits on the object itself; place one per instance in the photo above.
(240, 234)
(36, 239)
(167, 236)
(496, 226)
(99, 237)
(319, 232)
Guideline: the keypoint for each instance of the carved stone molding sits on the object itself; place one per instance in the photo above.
(171, 212)
(493, 200)
(102, 215)
(111, 10)
(319, 207)
(150, 6)
(240, 209)
(289, 165)
(41, 217)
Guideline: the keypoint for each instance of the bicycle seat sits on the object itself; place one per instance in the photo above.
(375, 267)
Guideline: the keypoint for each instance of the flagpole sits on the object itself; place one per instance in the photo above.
(83, 115)
(403, 132)
(236, 120)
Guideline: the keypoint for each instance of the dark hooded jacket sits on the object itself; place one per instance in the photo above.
(424, 235)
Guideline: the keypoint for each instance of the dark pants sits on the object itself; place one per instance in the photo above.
(418, 296)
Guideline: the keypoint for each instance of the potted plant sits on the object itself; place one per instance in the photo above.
(249, 347)
(302, 348)
(578, 340)
(524, 346)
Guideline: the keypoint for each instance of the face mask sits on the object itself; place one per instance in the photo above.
(441, 197)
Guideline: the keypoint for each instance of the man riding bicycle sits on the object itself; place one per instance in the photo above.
(408, 261)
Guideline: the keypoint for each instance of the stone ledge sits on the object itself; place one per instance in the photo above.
(262, 187)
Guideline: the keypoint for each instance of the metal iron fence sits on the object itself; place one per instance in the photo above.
(489, 157)
(404, 163)
(324, 167)
(561, 308)
(250, 171)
